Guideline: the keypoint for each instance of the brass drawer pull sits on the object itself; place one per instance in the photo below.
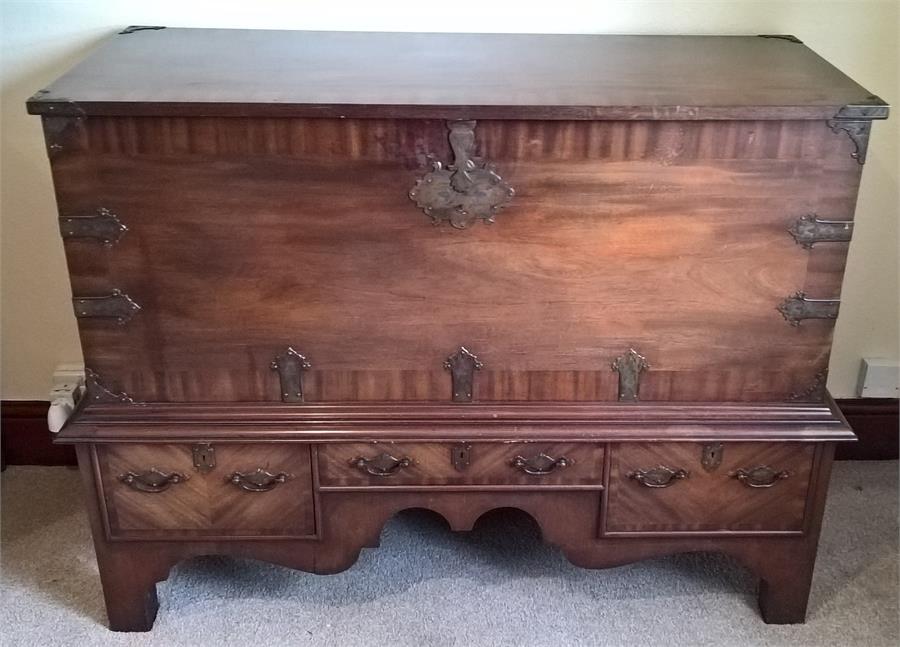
(153, 480)
(541, 464)
(762, 476)
(258, 481)
(657, 477)
(382, 465)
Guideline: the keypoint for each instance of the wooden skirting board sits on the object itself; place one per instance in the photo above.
(24, 438)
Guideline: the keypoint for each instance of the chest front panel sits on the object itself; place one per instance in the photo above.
(247, 236)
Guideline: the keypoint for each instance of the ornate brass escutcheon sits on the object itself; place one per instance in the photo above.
(658, 477)
(711, 456)
(204, 456)
(462, 366)
(796, 308)
(629, 367)
(460, 456)
(103, 226)
(153, 480)
(117, 305)
(382, 465)
(257, 481)
(468, 189)
(759, 477)
(541, 464)
(809, 230)
(290, 366)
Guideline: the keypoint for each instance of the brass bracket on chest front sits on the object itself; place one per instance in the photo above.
(797, 308)
(290, 366)
(462, 366)
(464, 191)
(629, 367)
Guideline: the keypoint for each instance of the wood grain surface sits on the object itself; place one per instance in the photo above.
(247, 236)
(452, 76)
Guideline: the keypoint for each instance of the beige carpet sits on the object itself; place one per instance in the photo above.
(426, 586)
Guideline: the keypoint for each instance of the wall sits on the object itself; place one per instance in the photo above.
(40, 40)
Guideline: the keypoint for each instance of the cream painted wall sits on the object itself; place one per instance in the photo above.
(41, 39)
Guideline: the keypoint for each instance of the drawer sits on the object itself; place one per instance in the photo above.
(664, 487)
(253, 490)
(494, 464)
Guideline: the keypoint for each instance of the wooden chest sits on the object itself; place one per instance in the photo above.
(323, 277)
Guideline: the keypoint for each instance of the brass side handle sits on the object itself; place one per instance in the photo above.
(541, 464)
(383, 465)
(658, 477)
(762, 476)
(258, 481)
(152, 480)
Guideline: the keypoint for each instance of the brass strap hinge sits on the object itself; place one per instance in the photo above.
(103, 226)
(809, 230)
(117, 305)
(796, 308)
(629, 367)
(290, 366)
(462, 366)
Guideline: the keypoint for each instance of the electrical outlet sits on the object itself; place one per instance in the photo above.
(68, 384)
(878, 378)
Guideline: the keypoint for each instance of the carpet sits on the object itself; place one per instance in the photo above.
(495, 586)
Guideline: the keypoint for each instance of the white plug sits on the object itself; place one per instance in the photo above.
(68, 387)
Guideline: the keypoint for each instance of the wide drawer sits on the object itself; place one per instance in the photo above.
(253, 490)
(477, 463)
(677, 487)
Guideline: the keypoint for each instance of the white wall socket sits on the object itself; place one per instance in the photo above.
(878, 378)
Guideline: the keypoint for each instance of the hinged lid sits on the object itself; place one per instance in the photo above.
(220, 72)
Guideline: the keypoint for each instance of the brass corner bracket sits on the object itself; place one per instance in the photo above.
(855, 119)
(96, 391)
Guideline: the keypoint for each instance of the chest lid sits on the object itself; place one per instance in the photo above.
(156, 71)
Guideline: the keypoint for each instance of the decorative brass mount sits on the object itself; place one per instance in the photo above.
(629, 367)
(462, 366)
(467, 189)
(290, 366)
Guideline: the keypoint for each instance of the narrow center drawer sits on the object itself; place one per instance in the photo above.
(476, 463)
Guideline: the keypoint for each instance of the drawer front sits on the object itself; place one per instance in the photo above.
(522, 464)
(664, 487)
(657, 236)
(151, 488)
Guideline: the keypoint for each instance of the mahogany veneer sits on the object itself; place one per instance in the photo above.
(581, 276)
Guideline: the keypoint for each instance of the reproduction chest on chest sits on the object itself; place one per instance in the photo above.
(320, 278)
